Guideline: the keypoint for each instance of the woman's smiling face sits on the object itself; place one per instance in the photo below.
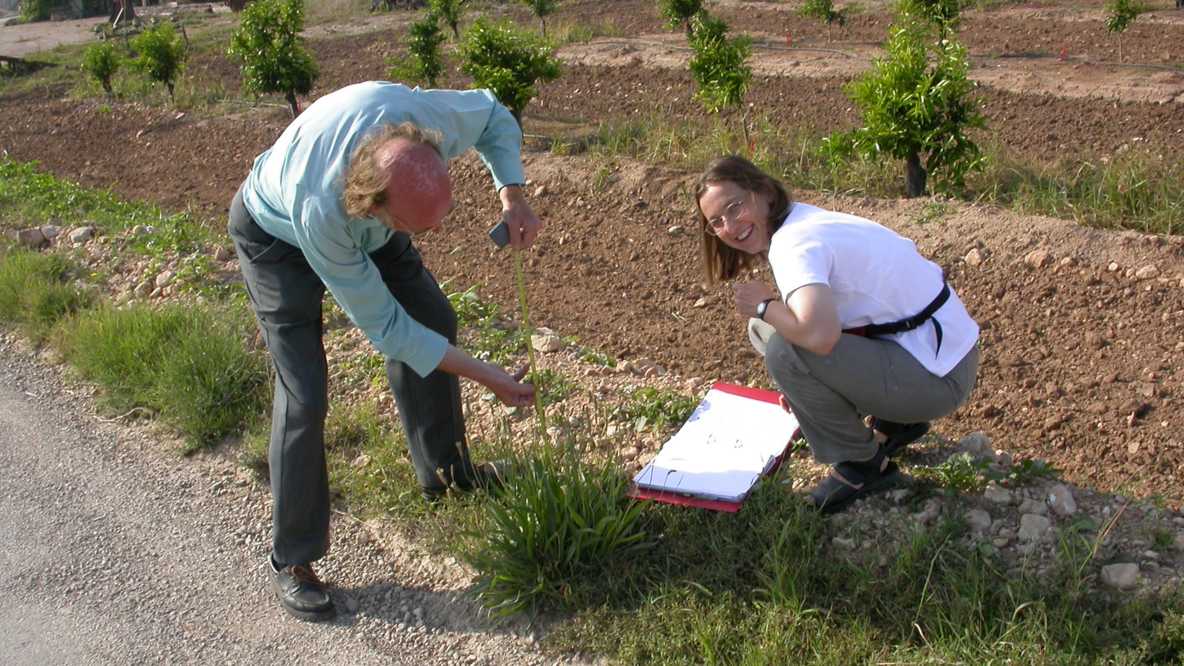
(739, 217)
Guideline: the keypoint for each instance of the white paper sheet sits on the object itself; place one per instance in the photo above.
(724, 447)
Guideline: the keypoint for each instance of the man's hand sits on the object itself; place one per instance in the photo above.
(508, 388)
(750, 294)
(524, 225)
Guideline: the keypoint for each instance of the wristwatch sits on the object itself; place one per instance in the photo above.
(763, 307)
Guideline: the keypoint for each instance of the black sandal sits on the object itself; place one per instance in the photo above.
(849, 481)
(899, 435)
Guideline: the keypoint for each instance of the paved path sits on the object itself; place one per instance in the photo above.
(20, 40)
(117, 550)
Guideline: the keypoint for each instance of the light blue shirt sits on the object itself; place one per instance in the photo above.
(294, 192)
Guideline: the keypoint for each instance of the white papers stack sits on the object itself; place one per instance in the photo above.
(728, 443)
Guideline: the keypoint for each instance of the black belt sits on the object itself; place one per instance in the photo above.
(910, 323)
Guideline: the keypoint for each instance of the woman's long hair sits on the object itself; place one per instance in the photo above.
(720, 261)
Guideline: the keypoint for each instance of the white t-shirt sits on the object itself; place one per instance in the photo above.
(877, 277)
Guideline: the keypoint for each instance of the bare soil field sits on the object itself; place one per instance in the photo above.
(1083, 330)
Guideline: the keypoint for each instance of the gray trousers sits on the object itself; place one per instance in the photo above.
(861, 376)
(286, 295)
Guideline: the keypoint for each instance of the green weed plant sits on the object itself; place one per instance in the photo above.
(655, 408)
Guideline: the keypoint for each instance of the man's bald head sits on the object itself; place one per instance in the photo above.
(418, 191)
(398, 176)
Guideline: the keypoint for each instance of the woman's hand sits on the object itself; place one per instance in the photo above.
(751, 294)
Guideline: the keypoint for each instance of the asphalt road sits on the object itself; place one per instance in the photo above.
(117, 550)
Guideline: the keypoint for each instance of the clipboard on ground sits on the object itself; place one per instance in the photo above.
(735, 436)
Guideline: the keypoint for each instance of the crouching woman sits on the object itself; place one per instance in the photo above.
(863, 336)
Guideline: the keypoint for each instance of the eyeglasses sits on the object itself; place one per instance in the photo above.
(731, 213)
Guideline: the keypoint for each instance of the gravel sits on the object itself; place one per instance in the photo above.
(119, 550)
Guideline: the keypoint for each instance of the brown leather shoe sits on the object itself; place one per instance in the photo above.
(300, 592)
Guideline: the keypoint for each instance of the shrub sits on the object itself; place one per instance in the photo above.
(542, 9)
(824, 10)
(1120, 14)
(679, 13)
(185, 363)
(508, 61)
(161, 54)
(273, 57)
(423, 62)
(916, 103)
(450, 12)
(101, 61)
(35, 10)
(718, 65)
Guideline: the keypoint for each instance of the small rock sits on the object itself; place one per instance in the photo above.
(1000, 541)
(899, 495)
(545, 341)
(974, 257)
(1033, 526)
(931, 511)
(361, 461)
(997, 495)
(675, 230)
(1180, 542)
(1147, 272)
(31, 238)
(1038, 258)
(844, 542)
(1113, 267)
(1122, 576)
(977, 444)
(50, 231)
(81, 235)
(164, 278)
(143, 230)
(701, 302)
(1034, 507)
(1060, 500)
(540, 191)
(979, 520)
(623, 366)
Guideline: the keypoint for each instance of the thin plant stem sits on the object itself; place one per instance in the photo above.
(520, 277)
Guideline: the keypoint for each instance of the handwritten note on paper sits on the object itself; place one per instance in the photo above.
(728, 442)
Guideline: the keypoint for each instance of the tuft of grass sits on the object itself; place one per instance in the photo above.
(554, 534)
(187, 364)
(36, 292)
(960, 473)
(576, 33)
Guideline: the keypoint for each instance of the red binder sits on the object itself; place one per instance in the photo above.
(680, 499)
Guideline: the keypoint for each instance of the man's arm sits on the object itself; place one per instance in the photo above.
(506, 387)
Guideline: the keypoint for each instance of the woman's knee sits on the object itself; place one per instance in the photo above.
(782, 361)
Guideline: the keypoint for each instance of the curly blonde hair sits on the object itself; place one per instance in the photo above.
(365, 180)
